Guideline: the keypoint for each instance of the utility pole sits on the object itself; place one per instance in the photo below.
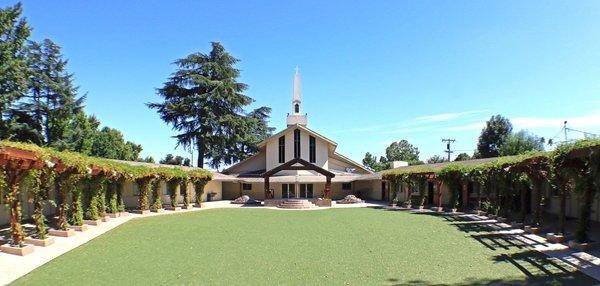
(448, 142)
(565, 128)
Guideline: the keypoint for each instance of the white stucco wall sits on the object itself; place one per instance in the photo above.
(272, 150)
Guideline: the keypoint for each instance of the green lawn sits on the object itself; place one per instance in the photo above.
(335, 246)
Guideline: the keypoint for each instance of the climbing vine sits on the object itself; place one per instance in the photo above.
(144, 187)
(199, 189)
(157, 195)
(173, 188)
(39, 183)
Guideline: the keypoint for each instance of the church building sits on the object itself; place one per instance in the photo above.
(298, 162)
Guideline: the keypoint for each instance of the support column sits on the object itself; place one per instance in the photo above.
(438, 187)
(327, 192)
(267, 189)
(465, 195)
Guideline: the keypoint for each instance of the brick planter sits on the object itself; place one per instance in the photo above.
(61, 233)
(105, 218)
(187, 207)
(583, 246)
(158, 210)
(123, 214)
(79, 227)
(438, 209)
(199, 205)
(40, 242)
(532, 229)
(173, 208)
(114, 215)
(555, 237)
(142, 212)
(92, 221)
(15, 250)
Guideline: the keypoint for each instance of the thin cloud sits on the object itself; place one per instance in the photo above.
(446, 116)
(423, 123)
(467, 127)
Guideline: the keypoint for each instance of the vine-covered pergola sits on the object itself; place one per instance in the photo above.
(570, 167)
(74, 177)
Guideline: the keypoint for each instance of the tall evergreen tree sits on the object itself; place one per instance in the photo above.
(205, 103)
(51, 101)
(492, 136)
(14, 32)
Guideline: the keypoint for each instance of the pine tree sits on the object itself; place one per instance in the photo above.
(204, 102)
(14, 32)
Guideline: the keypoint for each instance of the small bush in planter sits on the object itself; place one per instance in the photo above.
(39, 183)
(156, 195)
(199, 190)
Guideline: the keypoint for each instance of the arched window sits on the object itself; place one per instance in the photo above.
(297, 108)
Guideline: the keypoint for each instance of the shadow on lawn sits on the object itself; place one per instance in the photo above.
(513, 248)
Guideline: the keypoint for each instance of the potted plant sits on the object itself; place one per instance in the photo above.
(394, 202)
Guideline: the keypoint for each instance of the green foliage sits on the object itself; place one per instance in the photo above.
(156, 195)
(109, 143)
(14, 32)
(91, 200)
(371, 162)
(436, 159)
(39, 183)
(111, 193)
(175, 160)
(199, 188)
(462, 157)
(76, 217)
(493, 136)
(520, 143)
(145, 187)
(205, 103)
(187, 191)
(119, 187)
(173, 186)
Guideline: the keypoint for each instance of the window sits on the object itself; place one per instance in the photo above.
(282, 149)
(288, 191)
(312, 149)
(247, 187)
(297, 143)
(346, 186)
(297, 108)
(306, 191)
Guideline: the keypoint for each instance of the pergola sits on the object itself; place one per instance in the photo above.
(298, 164)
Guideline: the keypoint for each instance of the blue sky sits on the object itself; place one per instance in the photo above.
(372, 72)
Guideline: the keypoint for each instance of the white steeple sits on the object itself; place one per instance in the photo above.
(296, 117)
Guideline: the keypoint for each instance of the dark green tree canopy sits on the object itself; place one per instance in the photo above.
(397, 151)
(520, 143)
(436, 159)
(169, 159)
(493, 136)
(14, 72)
(462, 157)
(204, 103)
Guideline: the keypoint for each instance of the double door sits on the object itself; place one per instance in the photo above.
(305, 191)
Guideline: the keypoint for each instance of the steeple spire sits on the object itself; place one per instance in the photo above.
(296, 117)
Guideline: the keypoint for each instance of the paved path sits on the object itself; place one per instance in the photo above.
(12, 267)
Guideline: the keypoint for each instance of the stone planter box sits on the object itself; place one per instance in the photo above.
(454, 210)
(583, 246)
(142, 212)
(421, 208)
(500, 219)
(158, 210)
(187, 207)
(92, 221)
(40, 242)
(555, 237)
(438, 209)
(199, 205)
(123, 214)
(114, 215)
(79, 227)
(61, 233)
(516, 224)
(173, 208)
(322, 202)
(15, 250)
(105, 218)
(532, 229)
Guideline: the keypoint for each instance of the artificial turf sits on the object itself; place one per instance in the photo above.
(334, 246)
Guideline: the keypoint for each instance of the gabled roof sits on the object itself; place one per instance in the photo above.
(350, 161)
(297, 126)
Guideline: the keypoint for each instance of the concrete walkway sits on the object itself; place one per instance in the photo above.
(12, 267)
